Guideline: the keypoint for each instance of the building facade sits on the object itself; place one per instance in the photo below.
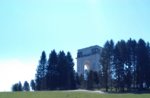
(88, 59)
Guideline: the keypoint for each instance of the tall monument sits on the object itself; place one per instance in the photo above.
(88, 59)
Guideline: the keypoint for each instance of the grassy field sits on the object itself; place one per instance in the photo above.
(59, 94)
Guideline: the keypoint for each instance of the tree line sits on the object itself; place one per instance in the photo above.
(125, 66)
(55, 73)
(25, 87)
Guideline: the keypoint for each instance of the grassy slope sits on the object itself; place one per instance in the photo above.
(58, 94)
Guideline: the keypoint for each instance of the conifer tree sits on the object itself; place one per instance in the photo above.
(106, 62)
(26, 86)
(52, 72)
(41, 73)
(32, 84)
(70, 72)
(62, 69)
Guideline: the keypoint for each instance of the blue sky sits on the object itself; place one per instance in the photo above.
(27, 27)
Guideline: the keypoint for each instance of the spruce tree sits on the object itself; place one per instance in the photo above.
(15, 87)
(52, 72)
(90, 80)
(142, 64)
(130, 64)
(106, 62)
(32, 84)
(119, 61)
(148, 69)
(41, 73)
(20, 88)
(70, 72)
(62, 69)
(26, 86)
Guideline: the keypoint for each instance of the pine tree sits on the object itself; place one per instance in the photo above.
(32, 84)
(90, 80)
(96, 79)
(119, 61)
(130, 64)
(26, 86)
(15, 87)
(52, 72)
(70, 72)
(106, 61)
(77, 79)
(142, 64)
(20, 88)
(41, 73)
(148, 67)
(62, 69)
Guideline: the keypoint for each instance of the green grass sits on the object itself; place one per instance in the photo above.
(59, 94)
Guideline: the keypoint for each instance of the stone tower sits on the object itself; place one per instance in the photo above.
(88, 58)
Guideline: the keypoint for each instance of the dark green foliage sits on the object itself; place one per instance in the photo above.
(32, 84)
(148, 68)
(17, 87)
(41, 73)
(52, 72)
(77, 80)
(130, 68)
(56, 73)
(142, 64)
(106, 62)
(119, 61)
(130, 65)
(62, 69)
(125, 66)
(26, 86)
(96, 78)
(82, 82)
(70, 72)
(90, 80)
(20, 88)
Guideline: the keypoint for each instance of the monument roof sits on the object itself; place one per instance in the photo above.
(90, 47)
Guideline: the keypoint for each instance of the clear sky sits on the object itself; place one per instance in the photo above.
(27, 27)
